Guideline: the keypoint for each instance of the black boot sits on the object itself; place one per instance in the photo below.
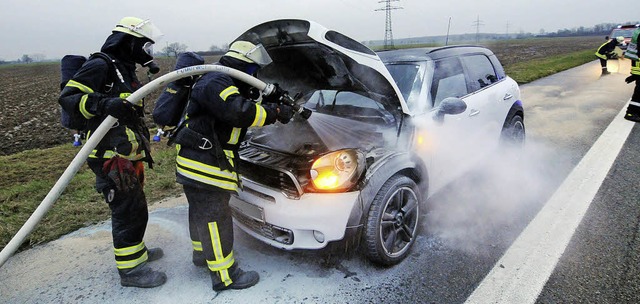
(154, 254)
(198, 259)
(605, 71)
(632, 117)
(240, 279)
(142, 276)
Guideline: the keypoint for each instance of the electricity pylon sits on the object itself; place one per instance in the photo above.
(388, 31)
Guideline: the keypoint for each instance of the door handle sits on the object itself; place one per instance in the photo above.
(473, 112)
(507, 96)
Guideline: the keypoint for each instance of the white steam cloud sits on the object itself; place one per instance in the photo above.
(488, 206)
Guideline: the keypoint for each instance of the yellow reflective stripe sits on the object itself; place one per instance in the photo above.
(132, 263)
(221, 264)
(215, 241)
(79, 86)
(229, 155)
(134, 143)
(83, 107)
(228, 91)
(235, 136)
(204, 168)
(207, 180)
(197, 246)
(128, 250)
(261, 116)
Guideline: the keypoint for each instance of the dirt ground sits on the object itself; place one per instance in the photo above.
(30, 115)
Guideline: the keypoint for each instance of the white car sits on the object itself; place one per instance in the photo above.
(387, 130)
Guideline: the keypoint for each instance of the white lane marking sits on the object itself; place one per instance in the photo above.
(522, 272)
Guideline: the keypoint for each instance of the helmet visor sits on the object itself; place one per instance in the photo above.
(259, 55)
(147, 29)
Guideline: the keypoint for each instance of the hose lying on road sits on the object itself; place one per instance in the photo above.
(100, 132)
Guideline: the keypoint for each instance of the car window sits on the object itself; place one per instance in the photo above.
(409, 77)
(480, 70)
(448, 80)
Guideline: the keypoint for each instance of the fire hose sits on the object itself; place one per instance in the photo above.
(104, 127)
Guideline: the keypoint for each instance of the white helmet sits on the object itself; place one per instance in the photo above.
(620, 39)
(249, 52)
(139, 28)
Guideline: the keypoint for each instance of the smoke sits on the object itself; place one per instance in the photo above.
(486, 207)
(485, 193)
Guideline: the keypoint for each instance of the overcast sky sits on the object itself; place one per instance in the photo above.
(58, 27)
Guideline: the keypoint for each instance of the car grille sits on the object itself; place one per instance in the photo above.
(260, 167)
(278, 234)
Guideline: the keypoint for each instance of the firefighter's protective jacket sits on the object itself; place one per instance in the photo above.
(606, 49)
(97, 80)
(219, 111)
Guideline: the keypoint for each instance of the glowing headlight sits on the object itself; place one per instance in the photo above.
(337, 171)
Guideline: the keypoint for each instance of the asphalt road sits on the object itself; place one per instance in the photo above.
(469, 228)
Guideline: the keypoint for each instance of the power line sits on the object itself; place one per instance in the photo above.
(388, 31)
(478, 23)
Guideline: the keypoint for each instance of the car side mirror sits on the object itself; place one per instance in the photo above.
(449, 106)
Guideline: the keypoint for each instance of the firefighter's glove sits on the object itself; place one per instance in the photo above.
(631, 78)
(122, 173)
(285, 113)
(118, 108)
(276, 96)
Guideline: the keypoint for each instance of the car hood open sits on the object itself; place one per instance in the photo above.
(307, 56)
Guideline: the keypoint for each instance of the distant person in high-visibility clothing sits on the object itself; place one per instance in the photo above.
(606, 51)
(633, 110)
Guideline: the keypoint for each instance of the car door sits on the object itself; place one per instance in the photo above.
(453, 135)
(486, 101)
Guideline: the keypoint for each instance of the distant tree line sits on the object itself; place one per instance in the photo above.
(603, 29)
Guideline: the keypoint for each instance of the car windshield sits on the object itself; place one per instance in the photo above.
(350, 105)
(409, 78)
(622, 32)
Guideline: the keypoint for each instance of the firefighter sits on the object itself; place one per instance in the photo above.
(633, 109)
(96, 91)
(606, 51)
(219, 112)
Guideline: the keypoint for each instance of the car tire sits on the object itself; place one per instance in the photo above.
(513, 132)
(392, 222)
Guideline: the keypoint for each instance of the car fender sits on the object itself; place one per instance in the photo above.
(405, 163)
(516, 108)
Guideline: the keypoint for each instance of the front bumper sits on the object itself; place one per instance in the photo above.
(310, 222)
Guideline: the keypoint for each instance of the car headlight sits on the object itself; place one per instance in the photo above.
(337, 171)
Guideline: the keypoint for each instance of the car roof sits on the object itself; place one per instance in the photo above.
(431, 53)
(626, 26)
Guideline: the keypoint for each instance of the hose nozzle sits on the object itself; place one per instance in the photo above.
(302, 111)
